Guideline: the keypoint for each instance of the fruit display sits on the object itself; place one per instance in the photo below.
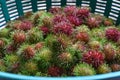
(67, 41)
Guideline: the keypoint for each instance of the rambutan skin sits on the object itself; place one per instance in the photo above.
(55, 10)
(45, 30)
(83, 69)
(109, 52)
(19, 37)
(104, 68)
(63, 27)
(75, 20)
(93, 57)
(28, 52)
(92, 22)
(83, 12)
(112, 34)
(82, 36)
(55, 71)
(70, 10)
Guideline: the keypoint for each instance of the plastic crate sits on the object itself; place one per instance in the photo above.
(12, 9)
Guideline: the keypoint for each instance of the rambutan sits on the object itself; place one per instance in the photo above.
(82, 28)
(55, 10)
(39, 45)
(11, 48)
(45, 30)
(70, 10)
(11, 59)
(34, 35)
(2, 65)
(43, 55)
(59, 18)
(52, 42)
(115, 67)
(14, 68)
(29, 68)
(109, 52)
(19, 37)
(55, 71)
(83, 69)
(82, 36)
(104, 68)
(48, 22)
(63, 27)
(25, 25)
(75, 20)
(94, 58)
(94, 44)
(4, 32)
(65, 57)
(92, 22)
(108, 22)
(28, 52)
(112, 34)
(83, 12)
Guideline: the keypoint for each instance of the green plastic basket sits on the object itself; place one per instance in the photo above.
(12, 9)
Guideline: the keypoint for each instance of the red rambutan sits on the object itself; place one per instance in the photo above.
(28, 52)
(63, 27)
(82, 36)
(55, 10)
(25, 25)
(55, 71)
(93, 57)
(74, 20)
(92, 22)
(112, 34)
(59, 18)
(83, 12)
(39, 45)
(45, 30)
(70, 10)
(19, 37)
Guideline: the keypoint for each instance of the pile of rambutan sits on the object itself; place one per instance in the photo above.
(68, 41)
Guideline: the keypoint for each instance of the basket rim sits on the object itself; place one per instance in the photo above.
(23, 77)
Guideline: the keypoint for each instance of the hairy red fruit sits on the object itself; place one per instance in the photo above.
(28, 53)
(94, 58)
(82, 36)
(112, 34)
(55, 71)
(63, 27)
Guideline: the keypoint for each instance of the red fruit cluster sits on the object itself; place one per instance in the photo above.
(19, 37)
(55, 71)
(45, 30)
(92, 22)
(112, 34)
(70, 10)
(74, 20)
(63, 27)
(82, 36)
(83, 12)
(55, 10)
(59, 18)
(28, 53)
(25, 25)
(94, 58)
